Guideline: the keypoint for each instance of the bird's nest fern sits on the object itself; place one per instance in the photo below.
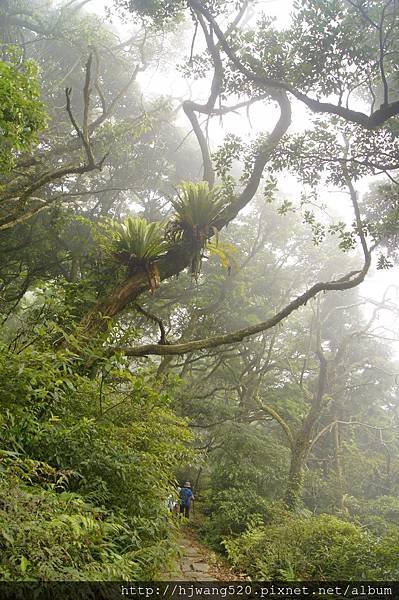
(138, 243)
(197, 211)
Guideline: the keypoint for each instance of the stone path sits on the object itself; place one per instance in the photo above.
(193, 564)
(197, 563)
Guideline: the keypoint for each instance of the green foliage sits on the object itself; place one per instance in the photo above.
(380, 515)
(245, 473)
(22, 114)
(164, 12)
(231, 510)
(231, 150)
(111, 442)
(57, 536)
(139, 240)
(92, 444)
(313, 548)
(197, 210)
(198, 207)
(381, 207)
(135, 243)
(159, 11)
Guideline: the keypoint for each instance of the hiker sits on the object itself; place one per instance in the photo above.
(186, 495)
(172, 505)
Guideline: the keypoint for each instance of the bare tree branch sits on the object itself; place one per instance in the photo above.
(20, 213)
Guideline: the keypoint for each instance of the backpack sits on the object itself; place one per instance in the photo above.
(185, 495)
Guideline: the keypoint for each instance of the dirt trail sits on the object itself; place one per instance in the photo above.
(197, 563)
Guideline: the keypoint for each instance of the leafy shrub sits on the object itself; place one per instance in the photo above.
(380, 515)
(313, 548)
(231, 510)
(58, 536)
(386, 561)
(386, 507)
(107, 448)
(246, 473)
(22, 113)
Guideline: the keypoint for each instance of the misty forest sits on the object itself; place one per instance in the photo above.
(199, 225)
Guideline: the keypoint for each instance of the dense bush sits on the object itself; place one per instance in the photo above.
(58, 536)
(312, 548)
(22, 114)
(380, 515)
(88, 463)
(231, 510)
(245, 473)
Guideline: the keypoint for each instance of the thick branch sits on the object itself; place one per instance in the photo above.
(179, 257)
(345, 283)
(264, 153)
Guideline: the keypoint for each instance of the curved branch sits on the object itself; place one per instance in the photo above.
(371, 121)
(155, 319)
(353, 195)
(277, 417)
(264, 153)
(191, 107)
(351, 280)
(209, 174)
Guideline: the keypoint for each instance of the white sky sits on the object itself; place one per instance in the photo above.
(167, 81)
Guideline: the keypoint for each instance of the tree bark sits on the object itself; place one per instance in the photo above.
(299, 454)
(303, 440)
(171, 264)
(338, 466)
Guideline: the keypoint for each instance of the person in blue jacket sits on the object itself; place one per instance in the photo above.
(186, 496)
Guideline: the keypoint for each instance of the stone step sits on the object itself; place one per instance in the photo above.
(201, 566)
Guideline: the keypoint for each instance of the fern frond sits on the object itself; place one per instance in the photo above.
(140, 238)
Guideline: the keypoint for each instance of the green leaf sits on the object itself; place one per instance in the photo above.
(24, 564)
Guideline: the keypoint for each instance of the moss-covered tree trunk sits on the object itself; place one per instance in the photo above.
(339, 492)
(293, 494)
(302, 442)
(299, 454)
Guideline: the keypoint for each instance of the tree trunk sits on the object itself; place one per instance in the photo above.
(171, 264)
(299, 452)
(338, 467)
(303, 440)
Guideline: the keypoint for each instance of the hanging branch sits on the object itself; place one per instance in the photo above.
(349, 281)
(155, 319)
